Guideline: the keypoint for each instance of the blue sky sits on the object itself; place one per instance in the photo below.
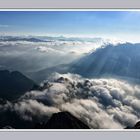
(122, 24)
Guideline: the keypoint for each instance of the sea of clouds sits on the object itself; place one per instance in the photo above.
(31, 56)
(100, 103)
(20, 55)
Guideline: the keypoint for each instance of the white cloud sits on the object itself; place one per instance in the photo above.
(100, 103)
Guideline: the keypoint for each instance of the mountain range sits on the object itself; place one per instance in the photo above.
(120, 60)
(14, 38)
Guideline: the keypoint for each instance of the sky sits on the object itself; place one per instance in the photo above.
(118, 24)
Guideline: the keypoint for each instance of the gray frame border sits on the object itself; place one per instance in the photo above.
(72, 4)
(69, 4)
(69, 135)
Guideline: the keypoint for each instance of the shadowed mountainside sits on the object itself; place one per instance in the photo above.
(64, 120)
(120, 60)
(14, 84)
(136, 126)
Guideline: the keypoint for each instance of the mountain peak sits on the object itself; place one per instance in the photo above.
(64, 120)
(13, 84)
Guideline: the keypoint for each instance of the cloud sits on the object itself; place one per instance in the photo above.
(18, 52)
(85, 45)
(28, 109)
(100, 103)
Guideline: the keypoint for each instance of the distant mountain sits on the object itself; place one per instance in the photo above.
(119, 60)
(29, 39)
(64, 120)
(13, 84)
(111, 60)
(48, 39)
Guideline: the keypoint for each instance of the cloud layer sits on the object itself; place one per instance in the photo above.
(100, 103)
(18, 53)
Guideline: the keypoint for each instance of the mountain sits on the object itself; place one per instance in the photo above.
(63, 120)
(136, 126)
(29, 39)
(119, 60)
(13, 84)
(12, 120)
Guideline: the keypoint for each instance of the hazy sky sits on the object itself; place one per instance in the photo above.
(122, 24)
